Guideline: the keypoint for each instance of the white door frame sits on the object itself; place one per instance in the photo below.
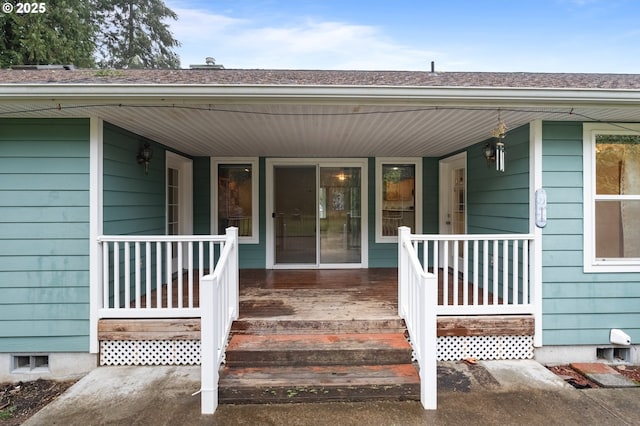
(185, 195)
(446, 165)
(271, 163)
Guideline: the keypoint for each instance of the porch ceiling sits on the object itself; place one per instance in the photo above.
(315, 128)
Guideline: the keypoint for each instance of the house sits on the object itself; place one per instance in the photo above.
(316, 169)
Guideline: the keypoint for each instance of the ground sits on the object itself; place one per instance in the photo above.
(19, 401)
(577, 380)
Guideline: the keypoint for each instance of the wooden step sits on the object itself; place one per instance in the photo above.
(318, 384)
(317, 349)
(267, 326)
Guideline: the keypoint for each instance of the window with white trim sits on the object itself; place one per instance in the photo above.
(398, 197)
(612, 198)
(234, 184)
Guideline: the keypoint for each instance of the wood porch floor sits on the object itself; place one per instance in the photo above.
(319, 293)
(332, 295)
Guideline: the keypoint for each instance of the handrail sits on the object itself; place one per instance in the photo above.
(161, 238)
(137, 270)
(219, 301)
(480, 274)
(417, 305)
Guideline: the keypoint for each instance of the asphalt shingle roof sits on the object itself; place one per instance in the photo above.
(323, 78)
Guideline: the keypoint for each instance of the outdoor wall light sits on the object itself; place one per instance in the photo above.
(144, 156)
(489, 152)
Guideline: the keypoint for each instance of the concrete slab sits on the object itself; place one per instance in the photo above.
(491, 393)
(603, 375)
(523, 374)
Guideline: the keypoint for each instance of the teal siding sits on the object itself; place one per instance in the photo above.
(430, 195)
(202, 196)
(134, 203)
(44, 235)
(578, 308)
(498, 202)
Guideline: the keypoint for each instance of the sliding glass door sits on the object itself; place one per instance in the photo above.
(317, 215)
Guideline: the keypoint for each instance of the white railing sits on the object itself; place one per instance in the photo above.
(219, 301)
(418, 292)
(138, 274)
(479, 274)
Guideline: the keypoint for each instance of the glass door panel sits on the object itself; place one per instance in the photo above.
(295, 221)
(173, 211)
(339, 211)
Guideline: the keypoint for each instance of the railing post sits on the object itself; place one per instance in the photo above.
(208, 349)
(429, 343)
(234, 302)
(404, 233)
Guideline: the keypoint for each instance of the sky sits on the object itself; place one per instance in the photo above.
(601, 36)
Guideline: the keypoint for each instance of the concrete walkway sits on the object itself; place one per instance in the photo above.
(490, 393)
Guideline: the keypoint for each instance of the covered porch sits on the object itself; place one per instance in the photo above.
(490, 296)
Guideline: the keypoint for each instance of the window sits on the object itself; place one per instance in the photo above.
(612, 198)
(398, 197)
(235, 195)
(30, 364)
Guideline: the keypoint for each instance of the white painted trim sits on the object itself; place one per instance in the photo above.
(185, 167)
(255, 195)
(417, 162)
(363, 163)
(95, 228)
(167, 94)
(591, 264)
(535, 267)
(446, 201)
(445, 186)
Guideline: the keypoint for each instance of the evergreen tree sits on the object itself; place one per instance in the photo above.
(134, 34)
(63, 34)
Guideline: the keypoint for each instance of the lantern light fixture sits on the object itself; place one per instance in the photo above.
(144, 156)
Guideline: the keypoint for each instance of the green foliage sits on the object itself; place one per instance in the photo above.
(7, 413)
(134, 34)
(120, 33)
(64, 34)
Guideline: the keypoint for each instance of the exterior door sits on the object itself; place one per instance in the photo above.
(339, 207)
(179, 201)
(316, 215)
(295, 214)
(453, 200)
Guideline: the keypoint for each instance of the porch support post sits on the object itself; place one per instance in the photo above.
(95, 229)
(234, 279)
(429, 343)
(404, 233)
(535, 182)
(208, 350)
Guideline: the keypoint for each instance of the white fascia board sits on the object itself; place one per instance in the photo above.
(375, 94)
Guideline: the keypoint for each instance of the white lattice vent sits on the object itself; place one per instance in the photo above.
(150, 352)
(455, 348)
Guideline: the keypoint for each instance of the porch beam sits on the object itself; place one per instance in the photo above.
(495, 325)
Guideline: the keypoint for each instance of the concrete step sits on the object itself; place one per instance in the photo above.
(318, 384)
(284, 326)
(317, 349)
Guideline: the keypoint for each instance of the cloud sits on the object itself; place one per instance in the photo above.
(306, 44)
